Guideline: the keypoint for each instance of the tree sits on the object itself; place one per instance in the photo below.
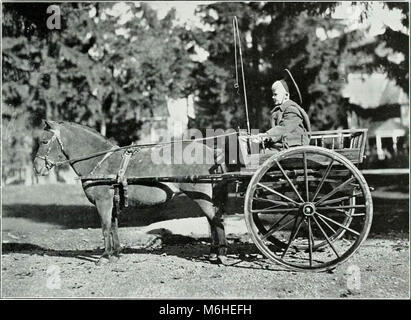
(376, 54)
(95, 70)
(274, 36)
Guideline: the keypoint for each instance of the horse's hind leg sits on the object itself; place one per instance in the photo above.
(220, 198)
(104, 208)
(219, 241)
(218, 238)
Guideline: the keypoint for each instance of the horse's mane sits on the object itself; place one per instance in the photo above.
(89, 129)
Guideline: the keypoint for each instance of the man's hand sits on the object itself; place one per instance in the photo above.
(259, 138)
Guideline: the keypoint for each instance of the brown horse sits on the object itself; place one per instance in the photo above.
(65, 140)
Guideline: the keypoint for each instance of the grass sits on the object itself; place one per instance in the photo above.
(47, 194)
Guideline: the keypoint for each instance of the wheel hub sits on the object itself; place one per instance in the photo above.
(308, 209)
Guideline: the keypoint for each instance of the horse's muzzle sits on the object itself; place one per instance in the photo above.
(40, 167)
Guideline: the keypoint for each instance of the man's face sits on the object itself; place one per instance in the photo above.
(279, 93)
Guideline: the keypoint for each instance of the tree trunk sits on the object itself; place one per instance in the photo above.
(103, 127)
(48, 110)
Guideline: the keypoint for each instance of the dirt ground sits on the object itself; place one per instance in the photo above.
(51, 240)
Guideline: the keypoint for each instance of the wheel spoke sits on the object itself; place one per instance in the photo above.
(310, 245)
(289, 181)
(326, 173)
(306, 177)
(274, 210)
(334, 191)
(336, 200)
(293, 234)
(350, 215)
(273, 229)
(357, 206)
(279, 203)
(271, 207)
(325, 222)
(338, 224)
(277, 193)
(326, 237)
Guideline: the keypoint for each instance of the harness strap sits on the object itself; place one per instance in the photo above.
(125, 159)
(98, 165)
(121, 198)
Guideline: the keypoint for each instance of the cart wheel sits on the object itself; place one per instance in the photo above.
(308, 208)
(263, 225)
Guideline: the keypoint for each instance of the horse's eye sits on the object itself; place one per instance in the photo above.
(44, 142)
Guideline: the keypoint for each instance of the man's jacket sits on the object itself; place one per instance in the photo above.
(288, 125)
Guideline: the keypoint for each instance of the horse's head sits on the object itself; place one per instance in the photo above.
(51, 149)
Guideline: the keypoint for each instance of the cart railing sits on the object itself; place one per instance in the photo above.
(348, 142)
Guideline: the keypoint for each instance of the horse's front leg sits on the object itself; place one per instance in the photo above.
(114, 236)
(104, 208)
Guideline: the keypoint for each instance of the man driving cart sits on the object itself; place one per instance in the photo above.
(290, 123)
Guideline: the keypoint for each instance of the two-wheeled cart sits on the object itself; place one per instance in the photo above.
(306, 207)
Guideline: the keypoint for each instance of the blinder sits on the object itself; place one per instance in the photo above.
(49, 164)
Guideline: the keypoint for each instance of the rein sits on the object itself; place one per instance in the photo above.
(50, 164)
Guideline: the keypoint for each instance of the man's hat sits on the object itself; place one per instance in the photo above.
(290, 85)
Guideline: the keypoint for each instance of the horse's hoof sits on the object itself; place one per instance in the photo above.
(213, 258)
(224, 260)
(114, 258)
(102, 261)
(217, 259)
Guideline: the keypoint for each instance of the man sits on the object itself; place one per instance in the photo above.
(289, 121)
(290, 124)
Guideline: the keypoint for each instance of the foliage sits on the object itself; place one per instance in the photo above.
(89, 73)
(376, 54)
(112, 74)
(275, 36)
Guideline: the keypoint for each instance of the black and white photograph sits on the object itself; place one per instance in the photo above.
(205, 150)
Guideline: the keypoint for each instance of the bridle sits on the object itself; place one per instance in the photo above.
(49, 163)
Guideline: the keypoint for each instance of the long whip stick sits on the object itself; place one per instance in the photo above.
(236, 34)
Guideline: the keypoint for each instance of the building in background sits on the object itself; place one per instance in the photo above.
(169, 122)
(377, 103)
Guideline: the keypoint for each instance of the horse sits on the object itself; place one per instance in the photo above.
(62, 141)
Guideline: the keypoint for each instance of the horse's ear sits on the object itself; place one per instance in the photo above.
(49, 125)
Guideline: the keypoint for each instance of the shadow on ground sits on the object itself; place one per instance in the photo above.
(86, 216)
(240, 255)
(390, 215)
